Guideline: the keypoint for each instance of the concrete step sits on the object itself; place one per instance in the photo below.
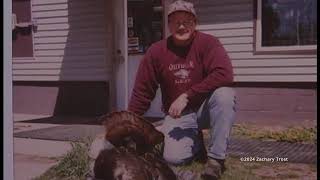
(42, 148)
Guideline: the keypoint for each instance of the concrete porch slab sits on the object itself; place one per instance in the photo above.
(27, 167)
(42, 148)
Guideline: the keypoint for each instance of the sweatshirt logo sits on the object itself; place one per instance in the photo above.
(173, 67)
(181, 72)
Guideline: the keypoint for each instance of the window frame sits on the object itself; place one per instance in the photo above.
(265, 49)
(162, 7)
(32, 57)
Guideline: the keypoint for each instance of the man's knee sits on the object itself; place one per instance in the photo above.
(180, 145)
(223, 96)
(179, 150)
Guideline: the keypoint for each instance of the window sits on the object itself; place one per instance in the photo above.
(284, 25)
(145, 24)
(22, 29)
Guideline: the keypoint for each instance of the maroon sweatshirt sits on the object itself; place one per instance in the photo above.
(197, 70)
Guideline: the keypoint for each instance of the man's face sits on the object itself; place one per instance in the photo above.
(182, 25)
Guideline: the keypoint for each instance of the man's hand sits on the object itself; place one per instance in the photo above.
(178, 105)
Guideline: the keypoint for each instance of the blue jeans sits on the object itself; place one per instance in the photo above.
(181, 135)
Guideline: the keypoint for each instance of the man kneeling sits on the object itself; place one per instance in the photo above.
(193, 71)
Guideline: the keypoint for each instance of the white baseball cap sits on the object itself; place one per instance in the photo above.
(181, 5)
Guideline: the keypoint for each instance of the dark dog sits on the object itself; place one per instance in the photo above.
(120, 164)
(127, 162)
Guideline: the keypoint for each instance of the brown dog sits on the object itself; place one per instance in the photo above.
(125, 162)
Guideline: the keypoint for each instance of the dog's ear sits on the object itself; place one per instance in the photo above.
(123, 124)
(104, 164)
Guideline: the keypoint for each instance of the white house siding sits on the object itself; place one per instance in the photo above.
(72, 42)
(232, 22)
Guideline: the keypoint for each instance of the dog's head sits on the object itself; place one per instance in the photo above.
(123, 128)
(119, 163)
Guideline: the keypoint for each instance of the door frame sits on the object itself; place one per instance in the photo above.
(7, 91)
(119, 96)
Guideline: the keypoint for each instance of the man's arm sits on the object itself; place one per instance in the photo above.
(145, 87)
(218, 68)
(219, 73)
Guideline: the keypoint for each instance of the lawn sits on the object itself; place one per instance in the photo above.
(293, 134)
(75, 164)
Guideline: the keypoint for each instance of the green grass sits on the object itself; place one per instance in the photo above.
(313, 167)
(194, 167)
(289, 175)
(236, 170)
(307, 135)
(73, 165)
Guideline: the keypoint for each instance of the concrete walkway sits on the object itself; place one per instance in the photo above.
(32, 157)
(27, 167)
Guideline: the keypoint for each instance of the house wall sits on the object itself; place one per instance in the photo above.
(73, 42)
(71, 67)
(61, 98)
(269, 87)
(277, 103)
(232, 21)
